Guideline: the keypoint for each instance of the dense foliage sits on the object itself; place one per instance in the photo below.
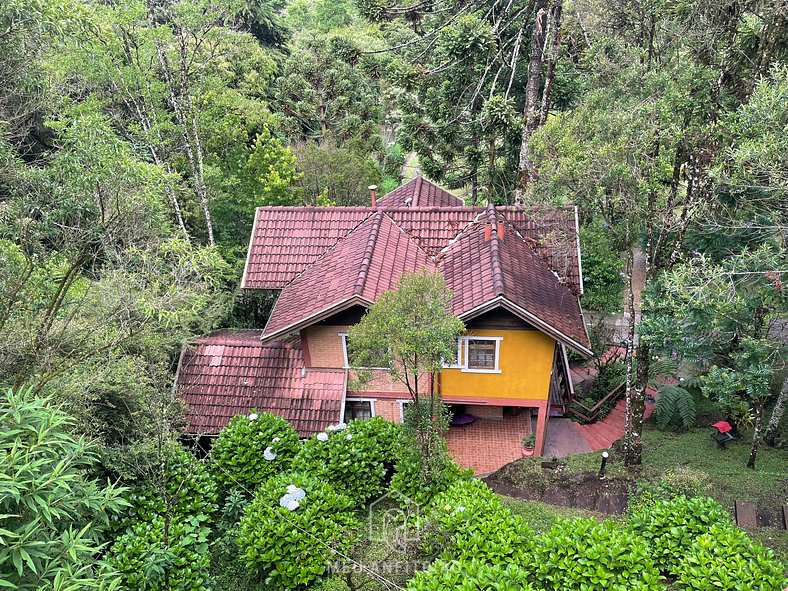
(470, 575)
(251, 448)
(292, 529)
(471, 523)
(355, 458)
(54, 516)
(670, 527)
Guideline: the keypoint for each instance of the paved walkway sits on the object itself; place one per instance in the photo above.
(563, 439)
(489, 444)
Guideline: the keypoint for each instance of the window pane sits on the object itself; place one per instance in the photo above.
(481, 354)
(358, 410)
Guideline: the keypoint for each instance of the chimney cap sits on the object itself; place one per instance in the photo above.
(372, 187)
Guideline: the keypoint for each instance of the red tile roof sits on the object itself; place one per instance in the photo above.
(231, 372)
(485, 270)
(369, 261)
(286, 240)
(419, 192)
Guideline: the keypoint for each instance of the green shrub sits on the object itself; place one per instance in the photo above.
(163, 555)
(473, 524)
(669, 527)
(355, 459)
(179, 485)
(602, 266)
(409, 475)
(251, 448)
(54, 517)
(584, 554)
(290, 546)
(470, 575)
(725, 558)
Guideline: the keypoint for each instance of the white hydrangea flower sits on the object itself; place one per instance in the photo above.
(283, 502)
(459, 509)
(322, 436)
(269, 454)
(297, 493)
(291, 488)
(330, 428)
(253, 416)
(349, 436)
(276, 440)
(293, 505)
(340, 426)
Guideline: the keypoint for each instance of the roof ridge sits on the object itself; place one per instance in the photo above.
(416, 191)
(495, 255)
(366, 261)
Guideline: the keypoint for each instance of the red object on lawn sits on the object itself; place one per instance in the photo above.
(723, 426)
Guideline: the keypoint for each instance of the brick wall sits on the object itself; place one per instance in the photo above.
(325, 345)
(388, 409)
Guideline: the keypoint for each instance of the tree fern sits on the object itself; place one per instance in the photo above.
(672, 400)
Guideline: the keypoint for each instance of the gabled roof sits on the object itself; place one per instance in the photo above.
(286, 240)
(491, 265)
(367, 262)
(419, 192)
(231, 372)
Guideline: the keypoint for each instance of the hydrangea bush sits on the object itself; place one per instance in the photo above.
(470, 522)
(355, 458)
(470, 575)
(288, 531)
(251, 448)
(670, 527)
(585, 554)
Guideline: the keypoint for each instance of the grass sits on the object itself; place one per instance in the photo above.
(541, 516)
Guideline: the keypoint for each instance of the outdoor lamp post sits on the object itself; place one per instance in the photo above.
(605, 455)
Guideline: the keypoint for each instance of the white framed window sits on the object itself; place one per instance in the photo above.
(346, 363)
(478, 355)
(358, 409)
(402, 404)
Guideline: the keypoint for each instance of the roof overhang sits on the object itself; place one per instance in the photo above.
(314, 318)
(503, 302)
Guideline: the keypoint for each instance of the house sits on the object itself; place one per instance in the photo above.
(516, 278)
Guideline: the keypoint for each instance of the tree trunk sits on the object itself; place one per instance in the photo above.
(777, 414)
(756, 433)
(552, 58)
(525, 171)
(633, 455)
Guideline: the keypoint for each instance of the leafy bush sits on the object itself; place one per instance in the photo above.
(669, 527)
(178, 484)
(602, 266)
(163, 554)
(475, 525)
(584, 554)
(470, 575)
(355, 459)
(252, 448)
(287, 536)
(726, 558)
(409, 475)
(165, 532)
(54, 516)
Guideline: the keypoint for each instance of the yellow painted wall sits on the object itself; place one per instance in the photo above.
(526, 358)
